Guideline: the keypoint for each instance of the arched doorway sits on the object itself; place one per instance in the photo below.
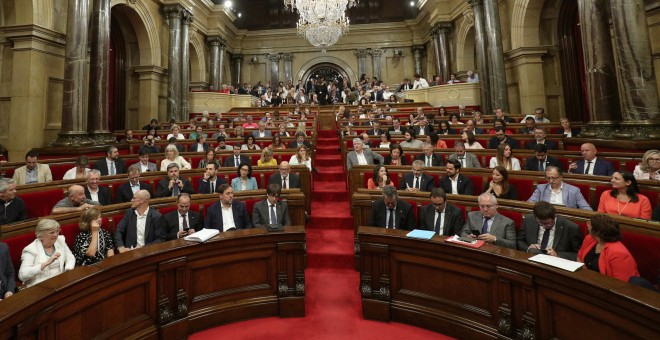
(328, 71)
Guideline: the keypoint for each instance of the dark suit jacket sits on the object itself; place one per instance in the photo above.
(567, 241)
(601, 168)
(493, 143)
(126, 232)
(436, 160)
(205, 186)
(294, 145)
(104, 195)
(260, 214)
(453, 223)
(417, 129)
(125, 194)
(229, 161)
(294, 180)
(426, 182)
(7, 273)
(374, 132)
(171, 223)
(503, 228)
(550, 144)
(388, 160)
(193, 147)
(526, 131)
(533, 163)
(213, 219)
(402, 128)
(162, 189)
(404, 218)
(464, 186)
(102, 166)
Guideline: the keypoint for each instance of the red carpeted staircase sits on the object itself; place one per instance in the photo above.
(333, 304)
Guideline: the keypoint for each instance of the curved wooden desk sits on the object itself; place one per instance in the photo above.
(167, 290)
(494, 292)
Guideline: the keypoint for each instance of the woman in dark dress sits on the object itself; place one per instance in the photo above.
(94, 243)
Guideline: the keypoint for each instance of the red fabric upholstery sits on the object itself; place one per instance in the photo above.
(645, 251)
(524, 187)
(651, 195)
(59, 169)
(514, 215)
(40, 203)
(477, 183)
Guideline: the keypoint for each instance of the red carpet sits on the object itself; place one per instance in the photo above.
(333, 305)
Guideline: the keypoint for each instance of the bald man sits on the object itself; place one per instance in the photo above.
(591, 165)
(75, 201)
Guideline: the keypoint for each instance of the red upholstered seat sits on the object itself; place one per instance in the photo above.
(477, 183)
(644, 249)
(514, 215)
(194, 160)
(40, 203)
(651, 195)
(524, 187)
(16, 245)
(59, 169)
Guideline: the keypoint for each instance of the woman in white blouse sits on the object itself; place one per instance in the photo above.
(301, 157)
(175, 132)
(80, 170)
(470, 141)
(47, 256)
(504, 158)
(172, 156)
(649, 168)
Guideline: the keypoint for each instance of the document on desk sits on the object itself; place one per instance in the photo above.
(421, 234)
(202, 235)
(557, 262)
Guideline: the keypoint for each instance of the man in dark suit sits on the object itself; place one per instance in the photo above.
(300, 140)
(493, 227)
(111, 164)
(396, 128)
(541, 160)
(466, 159)
(182, 222)
(127, 235)
(126, 191)
(471, 126)
(530, 125)
(173, 185)
(440, 216)
(232, 160)
(591, 165)
(101, 194)
(201, 145)
(7, 273)
(499, 114)
(417, 180)
(173, 141)
(153, 124)
(501, 137)
(429, 157)
(213, 219)
(211, 182)
(390, 212)
(376, 130)
(539, 138)
(546, 233)
(271, 210)
(285, 178)
(423, 128)
(454, 182)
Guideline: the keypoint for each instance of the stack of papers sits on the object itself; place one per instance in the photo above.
(202, 235)
(421, 234)
(557, 262)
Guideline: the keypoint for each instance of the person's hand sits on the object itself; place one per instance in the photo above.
(170, 185)
(179, 183)
(86, 206)
(95, 226)
(487, 238)
(572, 166)
(534, 246)
(7, 294)
(551, 252)
(53, 258)
(206, 176)
(122, 249)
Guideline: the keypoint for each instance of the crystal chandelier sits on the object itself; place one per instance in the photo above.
(321, 22)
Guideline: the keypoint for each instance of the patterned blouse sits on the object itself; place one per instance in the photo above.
(82, 243)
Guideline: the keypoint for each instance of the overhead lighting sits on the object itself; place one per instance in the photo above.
(228, 3)
(239, 14)
(412, 3)
(321, 22)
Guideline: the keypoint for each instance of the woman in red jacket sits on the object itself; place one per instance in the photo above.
(603, 251)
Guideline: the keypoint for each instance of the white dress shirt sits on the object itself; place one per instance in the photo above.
(227, 218)
(141, 226)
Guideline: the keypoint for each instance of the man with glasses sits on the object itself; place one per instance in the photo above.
(181, 222)
(501, 137)
(285, 178)
(126, 191)
(543, 232)
(174, 184)
(390, 212)
(140, 226)
(416, 179)
(490, 226)
(271, 210)
(440, 216)
(557, 192)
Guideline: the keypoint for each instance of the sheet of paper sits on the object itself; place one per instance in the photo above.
(557, 262)
(422, 234)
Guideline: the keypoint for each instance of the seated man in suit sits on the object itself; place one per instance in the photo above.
(201, 145)
(236, 159)
(467, 160)
(546, 233)
(285, 178)
(110, 165)
(211, 182)
(140, 226)
(539, 138)
(173, 185)
(376, 130)
(423, 128)
(271, 210)
(181, 222)
(144, 165)
(173, 141)
(558, 192)
(222, 145)
(416, 179)
(440, 216)
(7, 273)
(235, 212)
(501, 137)
(529, 127)
(12, 207)
(362, 156)
(541, 160)
(32, 171)
(75, 201)
(471, 126)
(149, 145)
(126, 191)
(95, 192)
(492, 227)
(390, 212)
(429, 158)
(300, 140)
(397, 128)
(591, 165)
(499, 114)
(454, 182)
(261, 132)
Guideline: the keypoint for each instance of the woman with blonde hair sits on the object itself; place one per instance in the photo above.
(267, 158)
(175, 132)
(649, 168)
(172, 156)
(302, 157)
(93, 243)
(47, 256)
(505, 158)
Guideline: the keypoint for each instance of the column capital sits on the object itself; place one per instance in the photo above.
(287, 56)
(361, 53)
(418, 48)
(173, 11)
(442, 28)
(215, 40)
(186, 17)
(377, 52)
(475, 3)
(273, 57)
(469, 16)
(237, 57)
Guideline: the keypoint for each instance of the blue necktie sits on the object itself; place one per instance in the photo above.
(273, 216)
(484, 229)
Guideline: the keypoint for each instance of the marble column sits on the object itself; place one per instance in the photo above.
(288, 67)
(482, 57)
(75, 65)
(186, 20)
(173, 14)
(442, 31)
(238, 62)
(497, 73)
(362, 62)
(214, 69)
(274, 68)
(418, 52)
(637, 83)
(376, 55)
(436, 51)
(221, 61)
(99, 106)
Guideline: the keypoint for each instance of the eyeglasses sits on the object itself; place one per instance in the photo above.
(654, 159)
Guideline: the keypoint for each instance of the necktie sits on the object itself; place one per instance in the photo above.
(185, 222)
(390, 221)
(462, 160)
(284, 183)
(541, 166)
(112, 168)
(175, 190)
(546, 237)
(212, 187)
(237, 161)
(484, 229)
(417, 182)
(273, 216)
(428, 160)
(437, 225)
(586, 171)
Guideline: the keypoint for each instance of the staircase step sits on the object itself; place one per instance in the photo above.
(336, 194)
(327, 161)
(330, 248)
(341, 209)
(339, 178)
(327, 134)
